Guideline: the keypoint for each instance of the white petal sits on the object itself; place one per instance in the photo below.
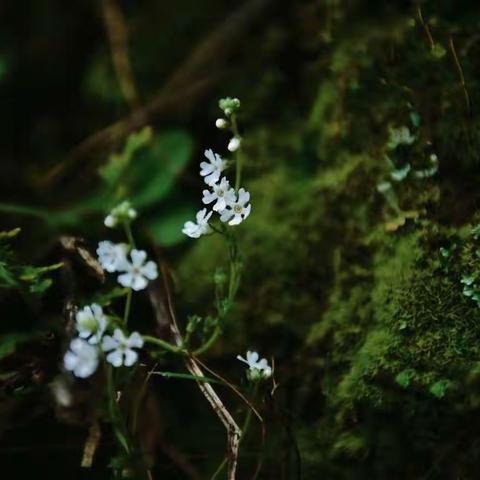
(252, 357)
(126, 279)
(212, 178)
(138, 257)
(115, 358)
(239, 357)
(236, 219)
(230, 196)
(119, 335)
(208, 197)
(243, 196)
(201, 215)
(246, 211)
(109, 343)
(206, 168)
(220, 205)
(191, 230)
(226, 215)
(97, 311)
(130, 358)
(262, 364)
(135, 340)
(86, 368)
(150, 270)
(139, 283)
(209, 155)
(77, 346)
(70, 360)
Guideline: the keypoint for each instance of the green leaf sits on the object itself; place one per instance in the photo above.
(167, 228)
(154, 172)
(118, 163)
(405, 377)
(439, 389)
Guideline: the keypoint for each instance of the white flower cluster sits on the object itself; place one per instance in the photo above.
(134, 268)
(258, 369)
(232, 206)
(83, 355)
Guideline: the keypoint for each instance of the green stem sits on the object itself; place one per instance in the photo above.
(115, 414)
(128, 233)
(238, 155)
(163, 344)
(210, 342)
(128, 305)
(232, 291)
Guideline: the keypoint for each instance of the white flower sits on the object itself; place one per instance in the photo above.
(196, 230)
(81, 359)
(211, 170)
(137, 272)
(234, 144)
(221, 123)
(91, 323)
(257, 368)
(121, 213)
(238, 210)
(112, 257)
(121, 348)
(222, 193)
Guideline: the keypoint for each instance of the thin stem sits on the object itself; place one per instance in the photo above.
(163, 344)
(128, 233)
(238, 155)
(210, 342)
(232, 291)
(115, 415)
(128, 305)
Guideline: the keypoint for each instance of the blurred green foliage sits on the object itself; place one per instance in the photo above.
(360, 272)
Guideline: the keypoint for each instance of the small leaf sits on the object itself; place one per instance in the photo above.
(439, 389)
(167, 228)
(154, 172)
(405, 377)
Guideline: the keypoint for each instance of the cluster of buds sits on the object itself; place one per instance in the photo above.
(229, 107)
(121, 214)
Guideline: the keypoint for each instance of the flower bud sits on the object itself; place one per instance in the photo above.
(234, 144)
(221, 123)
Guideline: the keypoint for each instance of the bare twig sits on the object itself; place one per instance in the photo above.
(76, 245)
(117, 31)
(425, 27)
(463, 86)
(91, 444)
(233, 430)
